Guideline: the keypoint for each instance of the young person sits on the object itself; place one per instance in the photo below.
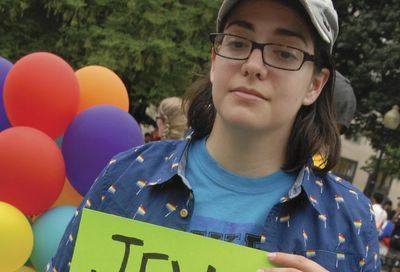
(171, 119)
(245, 174)
(379, 212)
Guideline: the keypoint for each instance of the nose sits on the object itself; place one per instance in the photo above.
(254, 65)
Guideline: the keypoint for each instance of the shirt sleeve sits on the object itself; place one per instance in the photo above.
(62, 260)
(372, 260)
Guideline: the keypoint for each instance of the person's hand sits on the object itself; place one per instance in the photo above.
(291, 263)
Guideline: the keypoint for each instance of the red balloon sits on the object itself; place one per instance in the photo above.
(32, 169)
(41, 91)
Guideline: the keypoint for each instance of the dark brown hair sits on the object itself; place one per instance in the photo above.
(314, 130)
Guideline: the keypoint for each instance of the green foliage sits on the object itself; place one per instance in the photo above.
(368, 53)
(156, 46)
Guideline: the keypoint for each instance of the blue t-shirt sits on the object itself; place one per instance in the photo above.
(228, 206)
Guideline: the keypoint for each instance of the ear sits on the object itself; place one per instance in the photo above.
(317, 83)
(212, 65)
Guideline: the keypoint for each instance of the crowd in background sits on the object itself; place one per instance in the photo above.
(388, 224)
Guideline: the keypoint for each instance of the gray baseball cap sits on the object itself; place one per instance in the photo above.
(322, 14)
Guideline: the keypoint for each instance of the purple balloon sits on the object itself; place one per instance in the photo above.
(5, 67)
(93, 138)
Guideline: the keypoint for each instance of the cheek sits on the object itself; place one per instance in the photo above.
(291, 96)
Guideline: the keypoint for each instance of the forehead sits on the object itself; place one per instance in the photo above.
(269, 15)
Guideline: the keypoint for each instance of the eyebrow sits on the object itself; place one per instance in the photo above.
(244, 24)
(290, 33)
(278, 31)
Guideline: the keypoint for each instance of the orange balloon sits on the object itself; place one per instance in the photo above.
(69, 196)
(41, 91)
(32, 169)
(98, 86)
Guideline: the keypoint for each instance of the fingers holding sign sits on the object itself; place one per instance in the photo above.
(292, 263)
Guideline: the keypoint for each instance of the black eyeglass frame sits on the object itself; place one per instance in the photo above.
(255, 45)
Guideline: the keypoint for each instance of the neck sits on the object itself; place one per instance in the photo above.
(247, 153)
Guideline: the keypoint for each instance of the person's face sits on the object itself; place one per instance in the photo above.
(250, 95)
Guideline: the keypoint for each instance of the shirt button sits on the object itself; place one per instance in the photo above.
(184, 213)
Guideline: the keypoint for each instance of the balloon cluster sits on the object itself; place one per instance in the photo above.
(58, 129)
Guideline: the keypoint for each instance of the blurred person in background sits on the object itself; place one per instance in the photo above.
(171, 119)
(379, 212)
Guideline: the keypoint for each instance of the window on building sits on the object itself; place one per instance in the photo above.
(346, 169)
(384, 183)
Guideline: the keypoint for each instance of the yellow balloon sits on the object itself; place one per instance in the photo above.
(101, 86)
(26, 269)
(16, 238)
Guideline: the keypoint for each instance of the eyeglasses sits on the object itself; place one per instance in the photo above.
(280, 56)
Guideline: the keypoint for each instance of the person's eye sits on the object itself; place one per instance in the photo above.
(235, 43)
(286, 55)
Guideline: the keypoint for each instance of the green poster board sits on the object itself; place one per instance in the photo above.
(108, 243)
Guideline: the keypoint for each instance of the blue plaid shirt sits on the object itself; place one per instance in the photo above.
(322, 217)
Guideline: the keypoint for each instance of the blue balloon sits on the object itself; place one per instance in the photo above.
(48, 230)
(5, 67)
(93, 138)
(59, 141)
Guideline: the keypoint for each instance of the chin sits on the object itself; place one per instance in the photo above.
(244, 122)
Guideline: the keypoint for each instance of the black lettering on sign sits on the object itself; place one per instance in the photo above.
(148, 256)
(128, 241)
(175, 266)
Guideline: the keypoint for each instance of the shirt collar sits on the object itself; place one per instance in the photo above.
(176, 164)
(305, 181)
(310, 183)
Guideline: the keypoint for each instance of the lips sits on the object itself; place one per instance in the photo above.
(248, 93)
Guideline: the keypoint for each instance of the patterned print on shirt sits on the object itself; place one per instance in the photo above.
(341, 239)
(284, 219)
(140, 211)
(171, 208)
(354, 193)
(305, 238)
(358, 224)
(112, 189)
(339, 257)
(310, 253)
(320, 184)
(313, 200)
(140, 159)
(284, 199)
(323, 218)
(141, 184)
(339, 199)
(361, 263)
(88, 203)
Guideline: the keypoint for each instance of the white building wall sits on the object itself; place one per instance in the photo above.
(361, 151)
